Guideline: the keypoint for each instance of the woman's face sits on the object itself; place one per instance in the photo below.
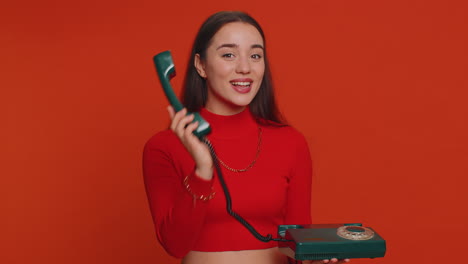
(233, 68)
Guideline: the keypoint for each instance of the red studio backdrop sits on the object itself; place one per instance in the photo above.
(379, 89)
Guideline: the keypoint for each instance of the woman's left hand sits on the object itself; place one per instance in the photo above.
(329, 261)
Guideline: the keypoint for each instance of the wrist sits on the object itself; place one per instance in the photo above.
(199, 188)
(204, 172)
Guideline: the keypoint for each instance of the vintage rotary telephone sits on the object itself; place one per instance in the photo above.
(300, 242)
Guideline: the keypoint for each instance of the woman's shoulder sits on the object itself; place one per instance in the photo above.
(281, 128)
(162, 140)
(286, 133)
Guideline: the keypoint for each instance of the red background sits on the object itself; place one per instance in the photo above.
(379, 88)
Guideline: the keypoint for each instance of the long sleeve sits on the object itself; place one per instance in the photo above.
(298, 209)
(177, 217)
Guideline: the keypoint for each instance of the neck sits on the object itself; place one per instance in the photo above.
(225, 110)
(235, 125)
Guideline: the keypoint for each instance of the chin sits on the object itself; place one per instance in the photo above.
(242, 100)
(240, 103)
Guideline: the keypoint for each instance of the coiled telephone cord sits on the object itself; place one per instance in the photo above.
(244, 222)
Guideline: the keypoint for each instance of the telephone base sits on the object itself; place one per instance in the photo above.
(327, 241)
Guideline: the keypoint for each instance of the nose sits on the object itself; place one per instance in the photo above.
(243, 65)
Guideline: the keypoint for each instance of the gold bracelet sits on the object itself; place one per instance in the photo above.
(198, 197)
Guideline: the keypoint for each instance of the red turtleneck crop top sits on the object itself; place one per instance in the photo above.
(275, 191)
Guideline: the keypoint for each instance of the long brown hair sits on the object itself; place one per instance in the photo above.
(194, 93)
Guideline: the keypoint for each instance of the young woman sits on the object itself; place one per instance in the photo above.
(265, 163)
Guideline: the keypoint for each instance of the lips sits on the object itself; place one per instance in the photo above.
(243, 85)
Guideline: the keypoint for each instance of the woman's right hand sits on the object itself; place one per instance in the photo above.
(183, 128)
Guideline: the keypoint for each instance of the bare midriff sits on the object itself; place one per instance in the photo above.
(258, 256)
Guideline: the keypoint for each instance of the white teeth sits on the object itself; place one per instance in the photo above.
(241, 83)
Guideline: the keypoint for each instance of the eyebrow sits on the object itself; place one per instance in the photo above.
(232, 45)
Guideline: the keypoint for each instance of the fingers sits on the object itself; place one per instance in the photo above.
(318, 261)
(188, 132)
(336, 261)
(182, 125)
(329, 261)
(171, 111)
(181, 122)
(176, 117)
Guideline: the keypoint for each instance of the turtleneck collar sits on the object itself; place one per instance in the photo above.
(232, 126)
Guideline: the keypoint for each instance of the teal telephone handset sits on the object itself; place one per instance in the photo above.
(300, 242)
(166, 70)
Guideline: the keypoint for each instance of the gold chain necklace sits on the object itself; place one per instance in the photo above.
(252, 163)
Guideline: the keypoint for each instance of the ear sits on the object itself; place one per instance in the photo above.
(199, 65)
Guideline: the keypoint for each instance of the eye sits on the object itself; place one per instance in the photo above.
(228, 55)
(256, 56)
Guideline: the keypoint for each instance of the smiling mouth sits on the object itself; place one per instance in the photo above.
(242, 84)
(242, 87)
